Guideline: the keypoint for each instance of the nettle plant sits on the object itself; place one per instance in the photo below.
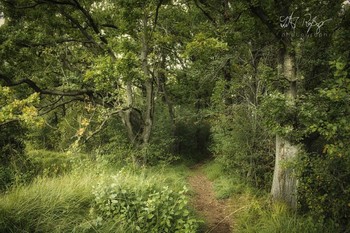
(136, 205)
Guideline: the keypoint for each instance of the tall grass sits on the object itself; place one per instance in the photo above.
(261, 217)
(225, 185)
(62, 202)
(58, 204)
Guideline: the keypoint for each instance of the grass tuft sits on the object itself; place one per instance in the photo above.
(261, 217)
(47, 205)
(224, 185)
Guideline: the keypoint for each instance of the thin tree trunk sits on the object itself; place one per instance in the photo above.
(149, 111)
(161, 77)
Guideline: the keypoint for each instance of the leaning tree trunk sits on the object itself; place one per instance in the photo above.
(284, 185)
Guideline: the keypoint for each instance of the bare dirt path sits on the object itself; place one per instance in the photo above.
(214, 212)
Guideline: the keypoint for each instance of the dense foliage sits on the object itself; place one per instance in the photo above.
(141, 205)
(261, 86)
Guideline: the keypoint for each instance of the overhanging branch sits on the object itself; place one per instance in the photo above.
(260, 13)
(55, 106)
(29, 6)
(53, 43)
(91, 21)
(36, 88)
(78, 25)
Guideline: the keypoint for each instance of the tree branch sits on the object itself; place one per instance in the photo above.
(108, 25)
(61, 41)
(99, 128)
(36, 88)
(8, 122)
(92, 24)
(259, 12)
(91, 21)
(204, 12)
(78, 25)
(52, 104)
(61, 104)
(12, 4)
(157, 13)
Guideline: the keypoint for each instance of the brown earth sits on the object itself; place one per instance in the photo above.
(214, 212)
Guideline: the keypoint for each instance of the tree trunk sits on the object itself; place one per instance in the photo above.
(161, 78)
(149, 110)
(131, 118)
(139, 124)
(284, 185)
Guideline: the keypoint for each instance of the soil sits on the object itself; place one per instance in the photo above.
(214, 212)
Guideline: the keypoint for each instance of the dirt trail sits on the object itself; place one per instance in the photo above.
(215, 212)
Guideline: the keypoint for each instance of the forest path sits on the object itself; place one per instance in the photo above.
(214, 212)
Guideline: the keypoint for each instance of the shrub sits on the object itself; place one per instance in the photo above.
(49, 162)
(243, 145)
(11, 149)
(137, 204)
(324, 187)
(5, 177)
(24, 169)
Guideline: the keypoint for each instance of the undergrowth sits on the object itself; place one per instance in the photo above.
(74, 200)
(142, 204)
(263, 217)
(253, 211)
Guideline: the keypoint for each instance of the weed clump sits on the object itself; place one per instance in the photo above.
(136, 204)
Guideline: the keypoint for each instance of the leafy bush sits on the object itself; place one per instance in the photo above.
(324, 187)
(11, 148)
(24, 169)
(243, 145)
(324, 170)
(63, 203)
(50, 163)
(5, 177)
(140, 205)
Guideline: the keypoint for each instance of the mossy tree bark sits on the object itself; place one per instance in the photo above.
(284, 184)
